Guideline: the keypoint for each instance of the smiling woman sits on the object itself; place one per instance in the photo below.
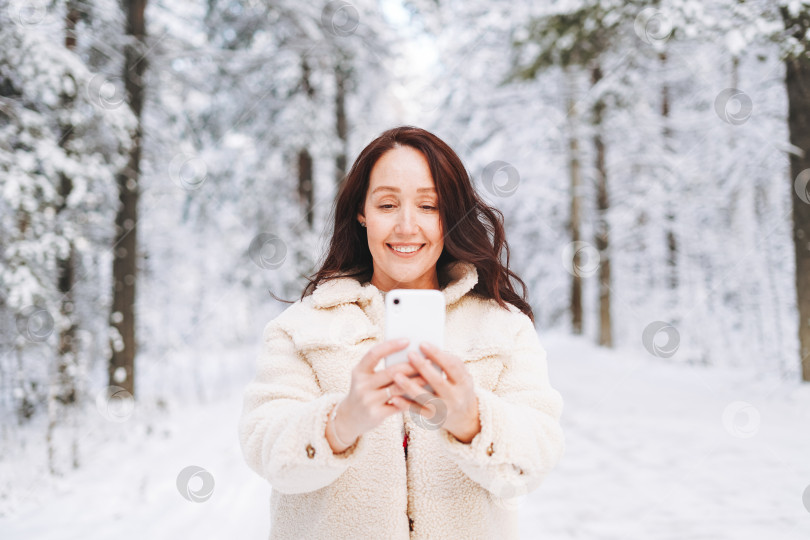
(402, 219)
(408, 187)
(327, 428)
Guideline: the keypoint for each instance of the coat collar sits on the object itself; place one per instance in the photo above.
(460, 277)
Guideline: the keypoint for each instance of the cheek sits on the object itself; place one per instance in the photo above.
(376, 232)
(437, 234)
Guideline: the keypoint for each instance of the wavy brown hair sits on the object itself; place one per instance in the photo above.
(474, 230)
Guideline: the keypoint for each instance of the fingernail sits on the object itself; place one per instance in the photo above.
(428, 346)
(402, 341)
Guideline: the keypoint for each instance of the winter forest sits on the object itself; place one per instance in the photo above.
(167, 168)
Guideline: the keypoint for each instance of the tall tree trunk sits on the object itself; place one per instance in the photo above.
(67, 350)
(305, 167)
(341, 126)
(122, 363)
(305, 191)
(798, 92)
(602, 228)
(62, 395)
(574, 169)
(671, 239)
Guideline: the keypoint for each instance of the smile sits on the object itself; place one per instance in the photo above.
(405, 251)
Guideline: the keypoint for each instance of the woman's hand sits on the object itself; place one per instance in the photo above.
(366, 405)
(453, 404)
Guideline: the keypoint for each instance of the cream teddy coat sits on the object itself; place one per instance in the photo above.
(443, 489)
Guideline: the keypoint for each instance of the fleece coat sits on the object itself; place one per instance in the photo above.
(436, 487)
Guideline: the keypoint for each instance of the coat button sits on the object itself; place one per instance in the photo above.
(410, 523)
(490, 450)
(310, 451)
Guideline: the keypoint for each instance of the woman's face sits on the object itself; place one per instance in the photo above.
(401, 209)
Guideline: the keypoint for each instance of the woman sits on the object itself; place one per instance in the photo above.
(346, 454)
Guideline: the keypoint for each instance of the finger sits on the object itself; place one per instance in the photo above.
(381, 350)
(413, 389)
(394, 392)
(398, 390)
(451, 365)
(385, 376)
(430, 373)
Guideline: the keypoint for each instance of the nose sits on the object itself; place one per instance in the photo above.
(406, 222)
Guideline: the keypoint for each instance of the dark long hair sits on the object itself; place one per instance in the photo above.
(467, 221)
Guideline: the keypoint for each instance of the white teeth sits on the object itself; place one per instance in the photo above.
(406, 249)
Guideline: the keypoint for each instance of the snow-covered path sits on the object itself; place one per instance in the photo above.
(653, 452)
(659, 451)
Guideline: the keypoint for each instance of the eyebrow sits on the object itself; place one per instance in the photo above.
(391, 188)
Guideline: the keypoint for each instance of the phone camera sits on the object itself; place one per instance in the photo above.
(396, 300)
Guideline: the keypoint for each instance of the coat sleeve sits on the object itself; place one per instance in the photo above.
(521, 438)
(282, 428)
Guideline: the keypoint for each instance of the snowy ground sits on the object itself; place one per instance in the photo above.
(653, 452)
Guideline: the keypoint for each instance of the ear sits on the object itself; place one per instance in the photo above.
(360, 217)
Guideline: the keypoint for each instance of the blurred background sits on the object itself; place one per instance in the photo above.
(166, 166)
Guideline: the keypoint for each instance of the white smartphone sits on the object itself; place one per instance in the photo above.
(418, 315)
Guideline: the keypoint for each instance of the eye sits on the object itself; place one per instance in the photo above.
(386, 206)
(429, 207)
